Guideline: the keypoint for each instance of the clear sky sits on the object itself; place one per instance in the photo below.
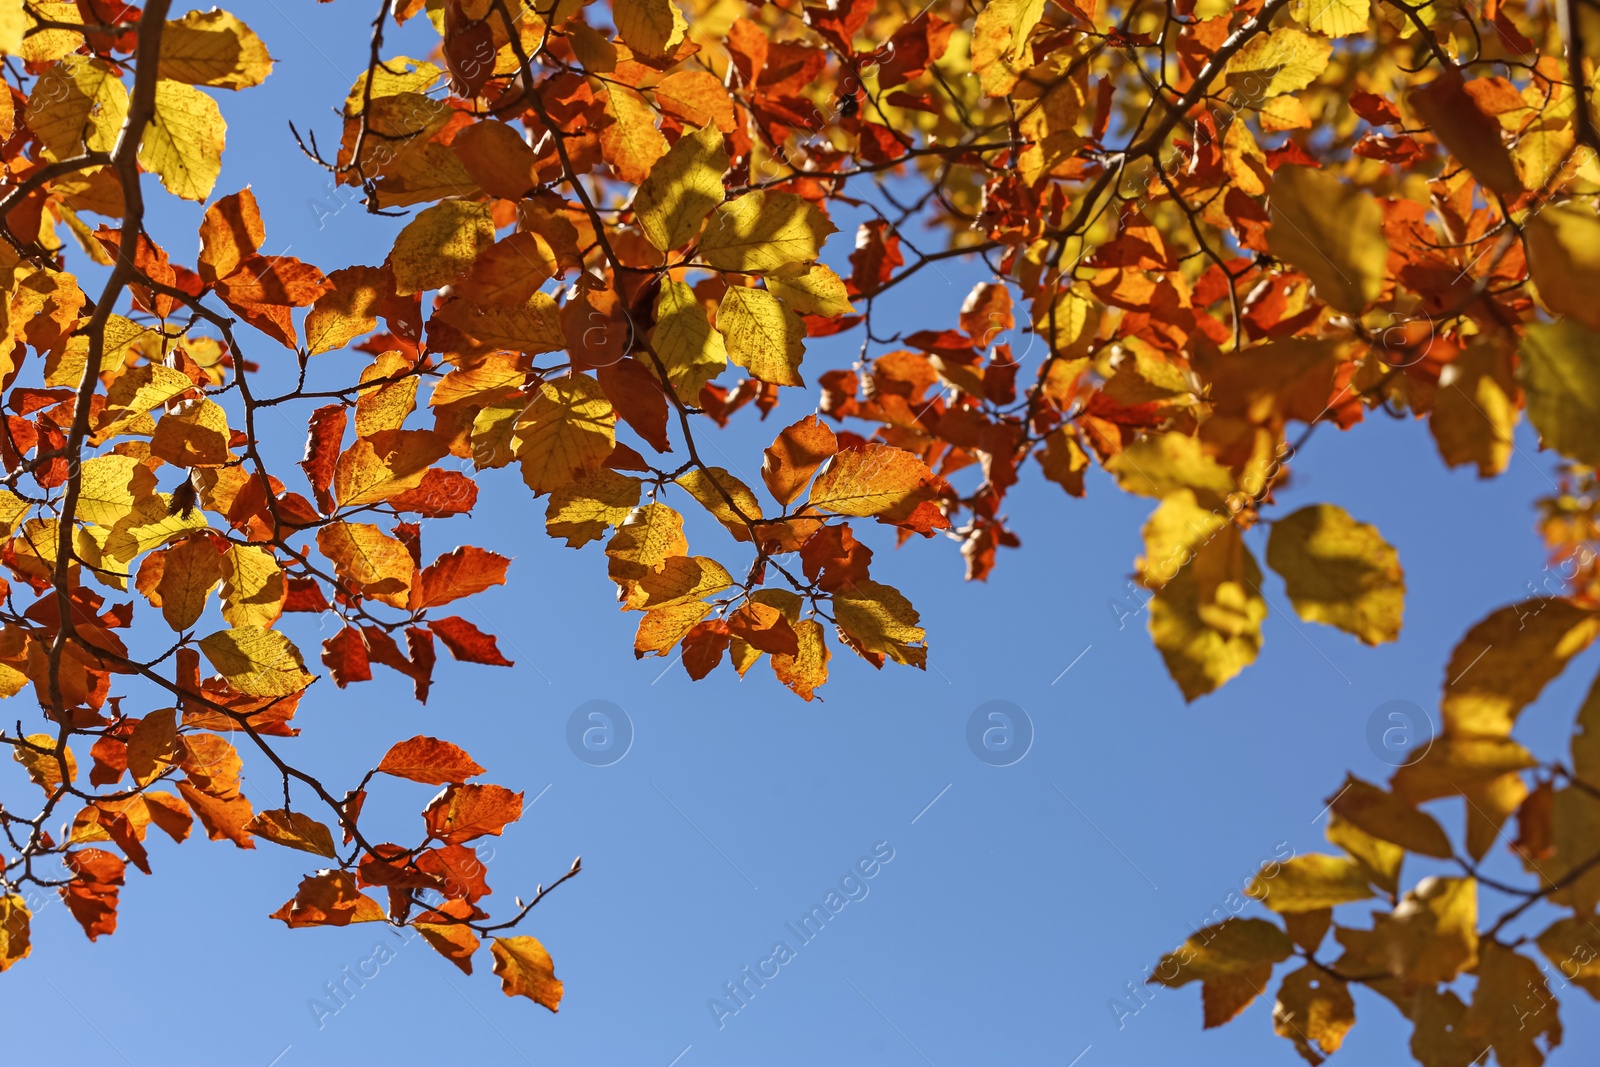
(1019, 901)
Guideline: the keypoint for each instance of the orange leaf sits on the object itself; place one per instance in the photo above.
(467, 643)
(795, 456)
(231, 232)
(430, 761)
(461, 573)
(463, 812)
(526, 969)
(329, 898)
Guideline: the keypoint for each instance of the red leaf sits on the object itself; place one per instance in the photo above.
(466, 642)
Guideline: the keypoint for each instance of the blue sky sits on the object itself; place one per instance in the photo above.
(1019, 900)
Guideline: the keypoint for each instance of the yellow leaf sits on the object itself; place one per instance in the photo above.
(661, 629)
(1000, 50)
(1330, 230)
(725, 496)
(1475, 410)
(1386, 816)
(683, 187)
(1278, 62)
(438, 246)
(1161, 464)
(43, 768)
(253, 587)
(79, 104)
(387, 463)
(1569, 944)
(532, 327)
(1504, 661)
(525, 969)
(194, 433)
(14, 914)
(346, 311)
(154, 748)
(1311, 881)
(1284, 113)
(649, 27)
(256, 662)
(13, 24)
(1314, 1008)
(805, 671)
(12, 509)
(690, 350)
(1458, 761)
(762, 335)
(213, 48)
(44, 45)
(1512, 1007)
(1206, 617)
(152, 522)
(1339, 571)
(111, 486)
(395, 75)
(566, 433)
(184, 142)
(1432, 935)
(1381, 858)
(873, 479)
(764, 231)
(1242, 158)
(387, 405)
(582, 511)
(1560, 377)
(816, 291)
(647, 538)
(1333, 18)
(135, 392)
(1229, 947)
(877, 621)
(1575, 826)
(681, 579)
(293, 829)
(377, 564)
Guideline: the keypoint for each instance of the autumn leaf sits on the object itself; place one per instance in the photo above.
(213, 48)
(878, 622)
(762, 335)
(15, 921)
(762, 231)
(1339, 571)
(184, 142)
(1230, 947)
(1329, 230)
(795, 456)
(464, 812)
(294, 830)
(430, 761)
(1559, 378)
(683, 186)
(525, 969)
(256, 661)
(439, 245)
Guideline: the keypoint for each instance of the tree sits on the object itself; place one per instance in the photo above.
(1223, 226)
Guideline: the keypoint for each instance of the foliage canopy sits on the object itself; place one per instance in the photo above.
(1218, 226)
